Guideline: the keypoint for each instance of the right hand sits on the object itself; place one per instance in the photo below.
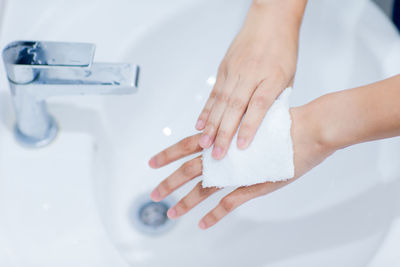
(259, 65)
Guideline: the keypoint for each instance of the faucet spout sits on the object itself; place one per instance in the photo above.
(38, 70)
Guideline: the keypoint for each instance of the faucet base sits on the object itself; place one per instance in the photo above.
(34, 142)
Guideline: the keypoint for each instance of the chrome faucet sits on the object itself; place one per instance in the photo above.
(37, 70)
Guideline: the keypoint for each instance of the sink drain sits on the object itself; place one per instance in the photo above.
(150, 217)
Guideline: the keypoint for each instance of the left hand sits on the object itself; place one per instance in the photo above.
(309, 151)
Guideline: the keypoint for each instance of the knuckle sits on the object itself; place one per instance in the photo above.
(210, 128)
(233, 69)
(163, 157)
(189, 169)
(223, 136)
(222, 67)
(213, 94)
(187, 144)
(279, 73)
(182, 206)
(205, 113)
(211, 218)
(252, 64)
(199, 164)
(237, 103)
(205, 191)
(228, 204)
(222, 98)
(261, 101)
(246, 130)
(165, 187)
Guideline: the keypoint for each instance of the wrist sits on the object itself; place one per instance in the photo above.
(291, 10)
(307, 122)
(309, 148)
(325, 127)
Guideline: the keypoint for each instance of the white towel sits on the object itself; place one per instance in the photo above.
(268, 158)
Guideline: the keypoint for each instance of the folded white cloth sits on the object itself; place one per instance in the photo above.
(268, 158)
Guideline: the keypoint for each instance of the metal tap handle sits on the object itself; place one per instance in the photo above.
(24, 57)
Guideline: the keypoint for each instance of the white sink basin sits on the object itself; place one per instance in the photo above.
(73, 202)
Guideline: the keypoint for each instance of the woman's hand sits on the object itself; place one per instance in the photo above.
(328, 123)
(309, 151)
(258, 66)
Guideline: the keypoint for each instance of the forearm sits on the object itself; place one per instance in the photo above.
(358, 115)
(275, 24)
(291, 11)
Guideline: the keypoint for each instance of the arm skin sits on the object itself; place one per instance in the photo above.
(319, 128)
(258, 66)
(358, 115)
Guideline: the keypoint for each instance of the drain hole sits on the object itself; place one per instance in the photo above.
(153, 214)
(150, 217)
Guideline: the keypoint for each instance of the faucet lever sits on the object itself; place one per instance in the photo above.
(22, 58)
(49, 54)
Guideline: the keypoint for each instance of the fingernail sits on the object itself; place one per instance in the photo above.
(205, 141)
(202, 225)
(200, 124)
(241, 143)
(217, 152)
(153, 162)
(171, 213)
(155, 195)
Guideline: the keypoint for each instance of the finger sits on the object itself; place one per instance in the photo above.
(237, 198)
(201, 121)
(189, 170)
(262, 99)
(194, 197)
(231, 118)
(214, 119)
(183, 148)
